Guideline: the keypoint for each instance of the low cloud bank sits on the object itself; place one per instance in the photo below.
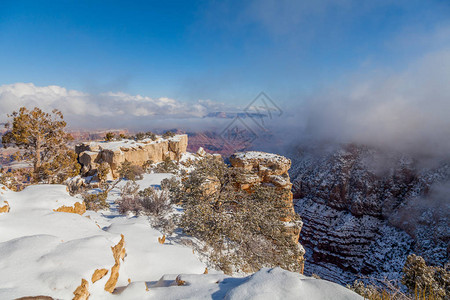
(407, 111)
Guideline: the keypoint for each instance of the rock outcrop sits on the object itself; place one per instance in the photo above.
(4, 207)
(118, 254)
(77, 208)
(270, 169)
(364, 210)
(82, 291)
(91, 155)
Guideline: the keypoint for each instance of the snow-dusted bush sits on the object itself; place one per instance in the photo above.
(16, 180)
(156, 203)
(147, 165)
(166, 166)
(96, 201)
(421, 281)
(147, 135)
(243, 231)
(103, 171)
(168, 134)
(430, 281)
(129, 171)
(110, 136)
(151, 202)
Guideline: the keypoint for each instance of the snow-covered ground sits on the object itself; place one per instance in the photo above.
(44, 252)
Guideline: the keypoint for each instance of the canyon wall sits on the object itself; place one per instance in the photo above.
(364, 210)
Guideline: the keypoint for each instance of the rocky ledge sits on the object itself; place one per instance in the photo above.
(91, 155)
(270, 169)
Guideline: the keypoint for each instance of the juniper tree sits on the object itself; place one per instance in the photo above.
(41, 138)
(109, 136)
(243, 230)
(420, 278)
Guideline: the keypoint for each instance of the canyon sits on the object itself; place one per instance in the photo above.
(365, 209)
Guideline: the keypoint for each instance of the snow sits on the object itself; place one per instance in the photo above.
(131, 144)
(147, 259)
(43, 252)
(148, 180)
(270, 284)
(255, 155)
(277, 283)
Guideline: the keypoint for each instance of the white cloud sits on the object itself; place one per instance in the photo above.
(106, 110)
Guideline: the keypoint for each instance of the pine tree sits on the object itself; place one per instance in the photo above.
(41, 138)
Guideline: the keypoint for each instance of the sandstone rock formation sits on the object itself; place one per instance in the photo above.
(265, 168)
(364, 210)
(4, 207)
(91, 155)
(82, 291)
(77, 208)
(98, 274)
(118, 254)
(270, 169)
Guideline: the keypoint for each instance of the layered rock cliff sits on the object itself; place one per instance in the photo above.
(91, 155)
(364, 210)
(271, 169)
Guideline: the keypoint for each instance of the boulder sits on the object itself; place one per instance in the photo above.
(201, 152)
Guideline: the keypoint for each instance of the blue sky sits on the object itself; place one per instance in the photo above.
(225, 51)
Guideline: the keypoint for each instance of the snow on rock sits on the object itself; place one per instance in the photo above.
(265, 163)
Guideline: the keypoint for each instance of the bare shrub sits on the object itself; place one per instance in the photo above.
(150, 202)
(128, 201)
(156, 203)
